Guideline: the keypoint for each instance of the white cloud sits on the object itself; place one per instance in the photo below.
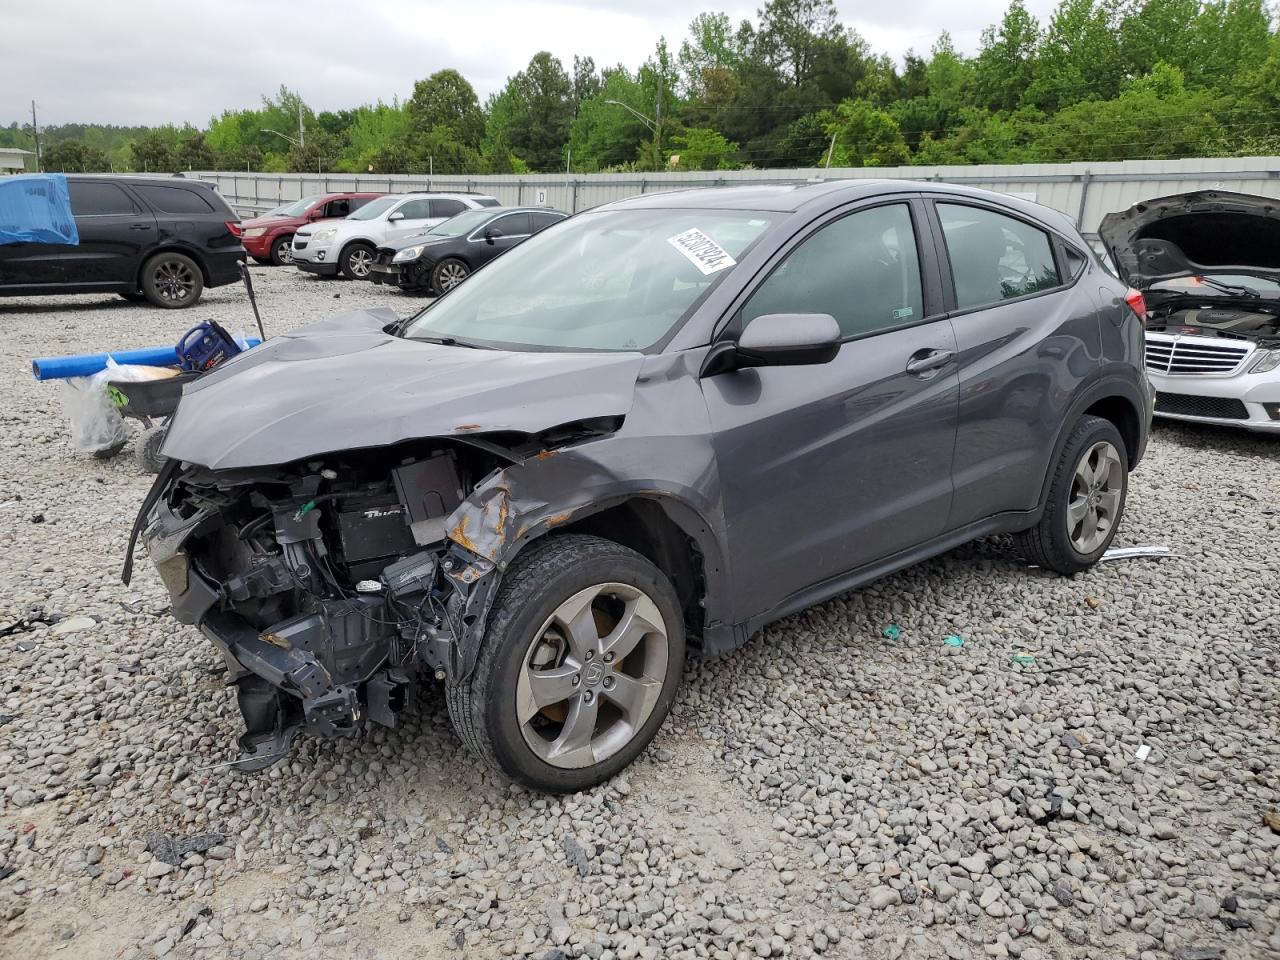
(151, 61)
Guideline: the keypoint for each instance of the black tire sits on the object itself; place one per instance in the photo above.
(1049, 544)
(146, 450)
(282, 251)
(353, 262)
(548, 572)
(172, 280)
(134, 297)
(447, 274)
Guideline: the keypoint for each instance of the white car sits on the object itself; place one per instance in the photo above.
(348, 246)
(1208, 266)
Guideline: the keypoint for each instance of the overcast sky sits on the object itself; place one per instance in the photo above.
(150, 62)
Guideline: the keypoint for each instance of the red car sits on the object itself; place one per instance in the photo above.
(269, 238)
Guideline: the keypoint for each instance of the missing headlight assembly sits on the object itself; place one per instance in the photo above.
(324, 584)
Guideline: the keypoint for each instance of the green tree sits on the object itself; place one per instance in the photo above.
(1003, 69)
(702, 149)
(1155, 117)
(445, 100)
(194, 154)
(319, 154)
(151, 153)
(1079, 57)
(539, 128)
(865, 137)
(72, 156)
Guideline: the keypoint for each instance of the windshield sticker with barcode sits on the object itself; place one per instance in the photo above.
(703, 252)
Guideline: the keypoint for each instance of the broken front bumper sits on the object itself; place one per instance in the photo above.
(322, 669)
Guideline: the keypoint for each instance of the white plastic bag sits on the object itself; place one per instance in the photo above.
(97, 428)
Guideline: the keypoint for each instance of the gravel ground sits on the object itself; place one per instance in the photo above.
(827, 791)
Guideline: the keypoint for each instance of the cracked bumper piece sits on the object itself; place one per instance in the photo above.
(323, 595)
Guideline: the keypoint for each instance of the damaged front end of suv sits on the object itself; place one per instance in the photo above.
(329, 579)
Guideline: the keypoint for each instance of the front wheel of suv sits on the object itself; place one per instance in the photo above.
(580, 662)
(356, 260)
(1085, 503)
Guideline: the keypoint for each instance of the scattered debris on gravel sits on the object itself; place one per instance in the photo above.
(1093, 772)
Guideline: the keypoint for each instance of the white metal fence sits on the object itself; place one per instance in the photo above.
(1084, 191)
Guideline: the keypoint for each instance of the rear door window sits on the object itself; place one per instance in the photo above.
(994, 257)
(174, 199)
(93, 198)
(445, 207)
(358, 202)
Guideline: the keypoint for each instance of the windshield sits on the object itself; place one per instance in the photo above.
(1197, 287)
(462, 223)
(612, 280)
(374, 208)
(295, 209)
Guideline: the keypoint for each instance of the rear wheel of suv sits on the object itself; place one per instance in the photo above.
(1086, 500)
(282, 251)
(356, 260)
(172, 280)
(580, 661)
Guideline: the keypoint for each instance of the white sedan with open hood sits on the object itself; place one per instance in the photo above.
(1208, 265)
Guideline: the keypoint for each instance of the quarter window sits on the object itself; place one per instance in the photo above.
(994, 257)
(96, 199)
(174, 199)
(862, 269)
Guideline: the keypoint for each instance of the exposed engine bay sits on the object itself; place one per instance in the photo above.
(1256, 322)
(326, 584)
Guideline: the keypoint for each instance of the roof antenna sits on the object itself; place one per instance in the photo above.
(253, 301)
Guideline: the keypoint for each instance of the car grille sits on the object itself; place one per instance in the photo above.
(1190, 405)
(1177, 355)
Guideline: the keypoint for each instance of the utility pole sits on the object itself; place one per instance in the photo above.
(657, 126)
(302, 136)
(35, 134)
(830, 150)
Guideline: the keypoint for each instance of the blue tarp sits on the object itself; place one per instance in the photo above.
(36, 208)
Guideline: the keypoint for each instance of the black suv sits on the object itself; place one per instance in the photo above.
(153, 238)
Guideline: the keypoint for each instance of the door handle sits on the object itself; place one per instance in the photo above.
(923, 361)
(139, 226)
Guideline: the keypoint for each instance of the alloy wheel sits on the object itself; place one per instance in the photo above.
(451, 274)
(360, 260)
(285, 252)
(592, 675)
(174, 280)
(1094, 503)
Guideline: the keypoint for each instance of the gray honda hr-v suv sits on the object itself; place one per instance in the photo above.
(665, 421)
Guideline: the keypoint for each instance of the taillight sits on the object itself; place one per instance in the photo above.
(1137, 303)
(237, 231)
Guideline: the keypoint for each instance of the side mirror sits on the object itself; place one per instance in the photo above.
(395, 216)
(778, 340)
(492, 233)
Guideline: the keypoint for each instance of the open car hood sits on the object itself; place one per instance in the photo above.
(1193, 234)
(343, 383)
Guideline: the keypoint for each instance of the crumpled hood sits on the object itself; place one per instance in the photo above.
(1191, 234)
(342, 383)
